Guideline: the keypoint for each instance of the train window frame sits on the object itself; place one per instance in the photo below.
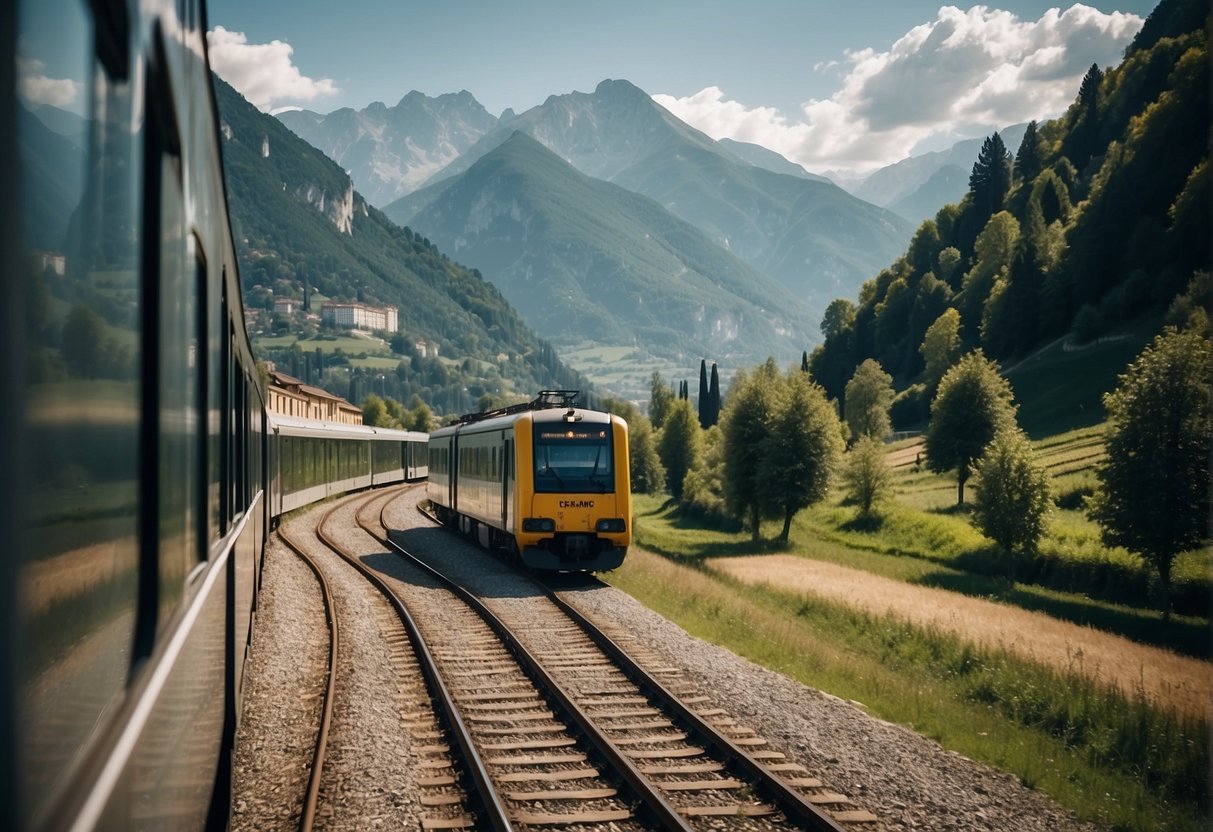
(112, 37)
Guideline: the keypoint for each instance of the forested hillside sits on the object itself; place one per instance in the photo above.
(298, 221)
(1099, 219)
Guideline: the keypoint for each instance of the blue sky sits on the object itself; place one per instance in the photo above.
(846, 84)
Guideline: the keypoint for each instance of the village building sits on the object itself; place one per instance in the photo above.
(291, 397)
(359, 316)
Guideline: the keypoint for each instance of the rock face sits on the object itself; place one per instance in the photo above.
(390, 151)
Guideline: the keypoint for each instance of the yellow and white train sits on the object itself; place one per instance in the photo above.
(546, 481)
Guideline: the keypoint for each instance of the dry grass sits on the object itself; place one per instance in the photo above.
(1176, 683)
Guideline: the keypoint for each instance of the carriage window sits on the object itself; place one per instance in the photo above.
(575, 459)
(78, 153)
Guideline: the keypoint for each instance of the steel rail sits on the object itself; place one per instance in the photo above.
(768, 784)
(311, 799)
(495, 809)
(661, 809)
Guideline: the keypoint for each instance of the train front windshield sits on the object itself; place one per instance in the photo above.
(573, 459)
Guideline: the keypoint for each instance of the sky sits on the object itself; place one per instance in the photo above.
(843, 85)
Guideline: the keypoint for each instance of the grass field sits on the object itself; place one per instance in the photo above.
(1108, 751)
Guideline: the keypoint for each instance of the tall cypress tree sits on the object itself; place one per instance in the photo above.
(704, 401)
(714, 395)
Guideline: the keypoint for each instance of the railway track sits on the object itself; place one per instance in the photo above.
(529, 716)
(697, 758)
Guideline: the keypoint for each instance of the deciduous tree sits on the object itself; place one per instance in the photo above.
(1013, 496)
(802, 450)
(869, 395)
(941, 345)
(972, 404)
(1155, 481)
(868, 479)
(744, 423)
(661, 398)
(678, 445)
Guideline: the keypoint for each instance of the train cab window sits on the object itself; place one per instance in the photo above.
(79, 137)
(573, 458)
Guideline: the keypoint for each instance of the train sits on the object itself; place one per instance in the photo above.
(546, 482)
(142, 471)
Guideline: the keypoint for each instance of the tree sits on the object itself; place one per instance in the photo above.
(744, 424)
(703, 488)
(1013, 496)
(660, 400)
(1029, 160)
(802, 450)
(839, 315)
(1155, 481)
(868, 397)
(868, 479)
(994, 250)
(83, 342)
(941, 345)
(374, 412)
(678, 445)
(423, 420)
(972, 404)
(714, 391)
(990, 179)
(946, 265)
(704, 399)
(648, 474)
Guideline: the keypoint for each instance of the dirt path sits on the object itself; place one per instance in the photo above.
(1176, 682)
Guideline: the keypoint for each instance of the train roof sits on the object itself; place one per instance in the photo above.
(294, 426)
(546, 416)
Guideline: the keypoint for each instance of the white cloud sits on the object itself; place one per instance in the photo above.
(962, 74)
(36, 88)
(263, 72)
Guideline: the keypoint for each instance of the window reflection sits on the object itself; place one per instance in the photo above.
(77, 143)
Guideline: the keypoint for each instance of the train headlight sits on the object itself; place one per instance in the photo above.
(538, 524)
(615, 524)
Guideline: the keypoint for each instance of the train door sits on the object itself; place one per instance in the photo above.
(507, 485)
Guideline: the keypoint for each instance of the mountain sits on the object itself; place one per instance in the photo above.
(921, 185)
(297, 221)
(390, 151)
(812, 236)
(761, 157)
(56, 161)
(584, 260)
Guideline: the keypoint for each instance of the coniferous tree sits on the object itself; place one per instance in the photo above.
(804, 361)
(1029, 161)
(990, 179)
(714, 393)
(703, 401)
